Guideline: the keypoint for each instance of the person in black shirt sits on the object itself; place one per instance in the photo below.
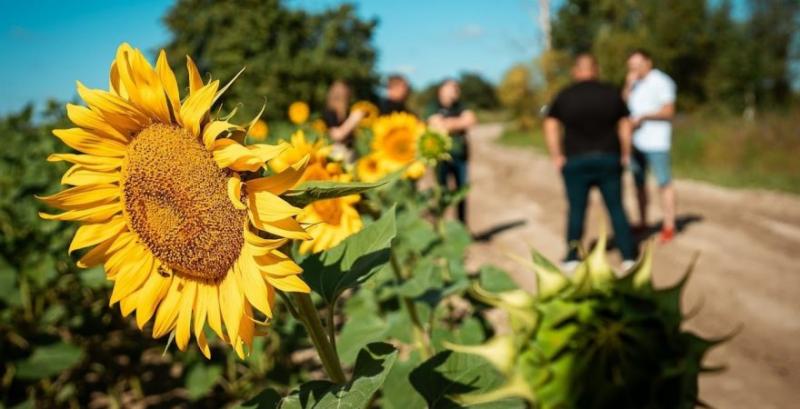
(397, 91)
(595, 147)
(448, 115)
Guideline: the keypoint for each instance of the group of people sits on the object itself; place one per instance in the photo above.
(594, 132)
(446, 114)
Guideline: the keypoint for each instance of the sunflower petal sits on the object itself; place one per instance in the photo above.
(231, 304)
(283, 181)
(211, 295)
(267, 207)
(288, 228)
(183, 331)
(91, 234)
(131, 276)
(91, 120)
(255, 289)
(235, 191)
(170, 84)
(168, 310)
(125, 116)
(196, 107)
(195, 80)
(213, 130)
(150, 295)
(290, 283)
(99, 163)
(86, 142)
(77, 175)
(96, 214)
(82, 196)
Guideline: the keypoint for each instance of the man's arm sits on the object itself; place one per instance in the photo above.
(340, 132)
(666, 113)
(625, 131)
(552, 135)
(466, 120)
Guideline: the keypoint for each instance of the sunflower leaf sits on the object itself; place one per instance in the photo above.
(372, 366)
(353, 261)
(309, 192)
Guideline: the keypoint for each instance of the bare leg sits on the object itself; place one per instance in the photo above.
(668, 206)
(641, 196)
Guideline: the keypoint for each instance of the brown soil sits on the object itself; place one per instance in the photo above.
(747, 274)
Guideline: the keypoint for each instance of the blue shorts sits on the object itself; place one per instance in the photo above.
(658, 162)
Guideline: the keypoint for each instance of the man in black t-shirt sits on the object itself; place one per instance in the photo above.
(448, 115)
(595, 146)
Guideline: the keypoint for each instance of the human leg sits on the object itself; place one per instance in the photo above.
(577, 187)
(609, 181)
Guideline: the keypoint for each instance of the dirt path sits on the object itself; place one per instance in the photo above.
(748, 271)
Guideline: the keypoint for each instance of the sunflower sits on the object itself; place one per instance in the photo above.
(370, 169)
(157, 188)
(370, 111)
(330, 220)
(415, 170)
(259, 130)
(319, 126)
(395, 139)
(300, 147)
(298, 112)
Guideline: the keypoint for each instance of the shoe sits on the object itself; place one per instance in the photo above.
(569, 266)
(666, 236)
(627, 265)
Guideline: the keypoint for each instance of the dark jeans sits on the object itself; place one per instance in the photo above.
(581, 173)
(458, 168)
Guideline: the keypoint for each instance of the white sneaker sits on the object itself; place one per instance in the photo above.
(569, 267)
(627, 265)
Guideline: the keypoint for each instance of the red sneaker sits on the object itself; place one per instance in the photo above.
(666, 236)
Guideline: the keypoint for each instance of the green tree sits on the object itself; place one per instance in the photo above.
(290, 54)
(477, 91)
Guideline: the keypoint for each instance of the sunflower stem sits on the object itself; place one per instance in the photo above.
(331, 325)
(327, 353)
(420, 339)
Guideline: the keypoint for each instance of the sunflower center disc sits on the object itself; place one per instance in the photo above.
(176, 201)
(398, 142)
(329, 210)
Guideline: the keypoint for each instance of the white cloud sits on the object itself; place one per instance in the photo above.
(470, 31)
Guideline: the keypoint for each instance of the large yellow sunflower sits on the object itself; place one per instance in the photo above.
(157, 189)
(395, 139)
(331, 220)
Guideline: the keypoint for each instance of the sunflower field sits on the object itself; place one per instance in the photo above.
(171, 254)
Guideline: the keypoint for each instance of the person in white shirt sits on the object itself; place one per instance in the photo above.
(650, 95)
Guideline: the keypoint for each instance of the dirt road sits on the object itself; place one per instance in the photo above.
(748, 273)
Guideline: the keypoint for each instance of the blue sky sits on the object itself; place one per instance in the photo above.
(47, 44)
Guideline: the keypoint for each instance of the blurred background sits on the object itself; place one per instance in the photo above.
(736, 64)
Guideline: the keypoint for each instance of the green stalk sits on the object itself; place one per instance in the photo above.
(418, 329)
(327, 353)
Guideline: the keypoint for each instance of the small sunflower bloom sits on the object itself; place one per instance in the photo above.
(299, 112)
(370, 169)
(370, 111)
(395, 139)
(259, 130)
